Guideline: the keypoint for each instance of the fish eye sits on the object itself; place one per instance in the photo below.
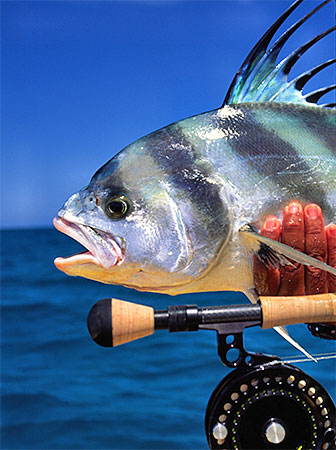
(117, 207)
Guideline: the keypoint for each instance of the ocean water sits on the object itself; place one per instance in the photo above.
(62, 391)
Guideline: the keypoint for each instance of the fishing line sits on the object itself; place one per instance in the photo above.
(299, 356)
(318, 357)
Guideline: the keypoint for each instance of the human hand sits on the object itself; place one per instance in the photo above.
(304, 230)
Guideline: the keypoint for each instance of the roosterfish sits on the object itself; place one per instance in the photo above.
(178, 210)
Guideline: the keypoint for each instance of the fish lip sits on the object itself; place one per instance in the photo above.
(100, 245)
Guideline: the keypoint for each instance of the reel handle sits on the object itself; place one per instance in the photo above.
(112, 322)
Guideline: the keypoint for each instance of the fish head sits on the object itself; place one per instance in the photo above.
(148, 218)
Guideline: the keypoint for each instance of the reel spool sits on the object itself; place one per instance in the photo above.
(270, 406)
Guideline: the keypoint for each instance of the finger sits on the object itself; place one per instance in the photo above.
(267, 281)
(292, 280)
(316, 246)
(331, 244)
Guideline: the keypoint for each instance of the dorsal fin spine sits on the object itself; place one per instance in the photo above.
(270, 56)
(294, 87)
(301, 80)
(282, 69)
(260, 79)
(293, 57)
(313, 97)
(257, 52)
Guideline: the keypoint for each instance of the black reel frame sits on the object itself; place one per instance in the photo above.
(264, 403)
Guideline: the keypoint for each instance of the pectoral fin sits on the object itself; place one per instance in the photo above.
(274, 254)
(253, 297)
(284, 333)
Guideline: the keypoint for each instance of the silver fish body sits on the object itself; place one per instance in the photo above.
(194, 183)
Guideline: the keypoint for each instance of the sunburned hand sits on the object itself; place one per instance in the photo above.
(303, 229)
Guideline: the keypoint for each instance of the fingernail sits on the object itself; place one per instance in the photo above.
(271, 224)
(332, 231)
(313, 211)
(294, 208)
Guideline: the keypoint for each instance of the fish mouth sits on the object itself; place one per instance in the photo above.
(103, 250)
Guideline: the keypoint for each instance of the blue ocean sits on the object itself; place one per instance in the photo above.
(60, 390)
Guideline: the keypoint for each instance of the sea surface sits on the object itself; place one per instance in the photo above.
(60, 390)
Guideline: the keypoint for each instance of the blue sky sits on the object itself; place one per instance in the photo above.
(80, 80)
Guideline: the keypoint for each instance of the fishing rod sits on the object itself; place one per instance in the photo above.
(264, 402)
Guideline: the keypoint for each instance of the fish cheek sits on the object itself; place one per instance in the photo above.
(156, 237)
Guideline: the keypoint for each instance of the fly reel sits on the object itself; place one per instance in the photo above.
(270, 406)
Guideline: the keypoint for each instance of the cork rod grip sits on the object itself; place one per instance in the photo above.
(303, 309)
(130, 321)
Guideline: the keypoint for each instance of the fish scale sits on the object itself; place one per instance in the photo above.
(265, 151)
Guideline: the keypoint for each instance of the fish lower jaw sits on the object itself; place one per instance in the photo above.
(85, 257)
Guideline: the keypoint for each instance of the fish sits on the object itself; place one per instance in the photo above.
(174, 212)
